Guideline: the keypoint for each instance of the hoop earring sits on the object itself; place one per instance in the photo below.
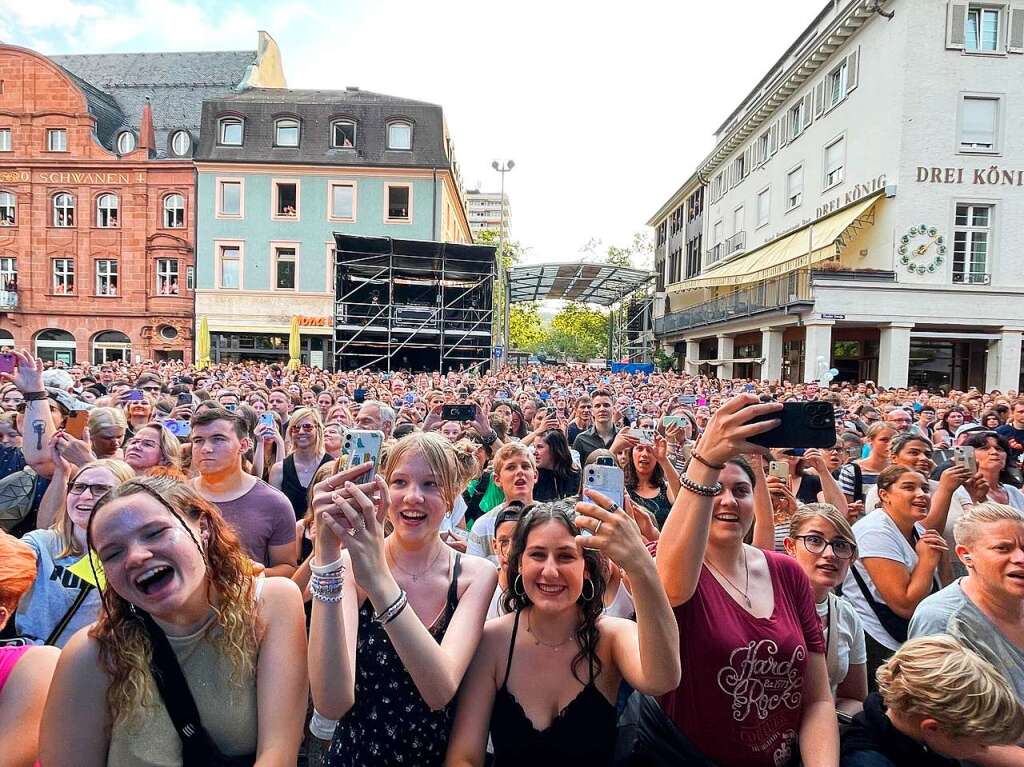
(517, 586)
(593, 591)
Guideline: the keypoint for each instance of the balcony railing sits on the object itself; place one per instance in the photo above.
(8, 300)
(770, 295)
(972, 278)
(727, 247)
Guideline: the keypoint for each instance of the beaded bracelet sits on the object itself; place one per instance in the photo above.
(698, 489)
(326, 589)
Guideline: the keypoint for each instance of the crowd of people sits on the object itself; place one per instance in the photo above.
(197, 568)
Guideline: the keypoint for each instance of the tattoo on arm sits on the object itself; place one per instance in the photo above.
(38, 428)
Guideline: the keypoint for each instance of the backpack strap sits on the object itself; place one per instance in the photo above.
(858, 483)
(62, 624)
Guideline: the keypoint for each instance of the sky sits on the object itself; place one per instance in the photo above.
(605, 107)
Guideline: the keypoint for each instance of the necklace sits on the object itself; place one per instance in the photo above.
(746, 581)
(416, 576)
(537, 640)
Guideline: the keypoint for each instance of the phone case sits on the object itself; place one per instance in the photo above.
(607, 480)
(804, 424)
(363, 446)
(778, 469)
(964, 456)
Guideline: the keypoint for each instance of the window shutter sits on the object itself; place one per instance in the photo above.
(808, 110)
(956, 21)
(773, 139)
(784, 130)
(1015, 43)
(819, 98)
(748, 160)
(852, 70)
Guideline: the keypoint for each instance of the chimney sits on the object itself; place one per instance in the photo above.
(147, 140)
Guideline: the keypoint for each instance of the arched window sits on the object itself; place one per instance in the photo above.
(126, 142)
(230, 131)
(63, 209)
(174, 211)
(343, 134)
(106, 211)
(399, 135)
(286, 132)
(8, 209)
(111, 346)
(53, 345)
(181, 143)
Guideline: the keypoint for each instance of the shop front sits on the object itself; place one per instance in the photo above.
(235, 347)
(947, 364)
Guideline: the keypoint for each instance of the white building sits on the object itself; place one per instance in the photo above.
(484, 212)
(859, 207)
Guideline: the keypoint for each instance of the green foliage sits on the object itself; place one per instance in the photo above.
(526, 328)
(513, 252)
(663, 361)
(639, 254)
(578, 332)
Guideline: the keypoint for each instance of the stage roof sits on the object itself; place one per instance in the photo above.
(587, 283)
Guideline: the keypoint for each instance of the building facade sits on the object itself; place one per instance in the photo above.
(279, 172)
(97, 197)
(484, 210)
(859, 207)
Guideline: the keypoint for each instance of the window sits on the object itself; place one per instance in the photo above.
(343, 134)
(63, 209)
(230, 197)
(174, 211)
(981, 31)
(106, 211)
(286, 199)
(971, 241)
(835, 162)
(979, 121)
(126, 142)
(230, 267)
(763, 206)
(399, 135)
(57, 139)
(399, 203)
(717, 232)
(739, 169)
(693, 253)
(284, 268)
(167, 277)
(836, 84)
(738, 220)
(763, 144)
(797, 119)
(181, 143)
(8, 273)
(794, 188)
(286, 132)
(63, 276)
(5, 140)
(190, 277)
(231, 131)
(343, 202)
(8, 209)
(106, 277)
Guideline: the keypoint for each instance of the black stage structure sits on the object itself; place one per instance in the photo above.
(412, 304)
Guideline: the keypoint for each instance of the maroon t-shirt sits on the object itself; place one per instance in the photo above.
(740, 699)
(262, 518)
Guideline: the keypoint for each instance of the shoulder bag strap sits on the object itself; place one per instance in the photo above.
(63, 622)
(858, 484)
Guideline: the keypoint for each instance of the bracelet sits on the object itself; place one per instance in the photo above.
(701, 459)
(396, 613)
(490, 439)
(35, 396)
(391, 610)
(334, 566)
(327, 588)
(698, 489)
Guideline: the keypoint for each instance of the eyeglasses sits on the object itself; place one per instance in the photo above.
(816, 544)
(306, 427)
(77, 488)
(151, 388)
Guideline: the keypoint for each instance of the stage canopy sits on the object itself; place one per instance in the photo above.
(587, 283)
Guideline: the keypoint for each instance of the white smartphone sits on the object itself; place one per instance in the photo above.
(362, 447)
(778, 469)
(964, 456)
(646, 436)
(607, 480)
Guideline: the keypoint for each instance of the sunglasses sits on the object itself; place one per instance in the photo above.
(302, 427)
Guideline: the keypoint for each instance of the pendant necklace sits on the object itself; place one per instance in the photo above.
(746, 581)
(416, 576)
(537, 640)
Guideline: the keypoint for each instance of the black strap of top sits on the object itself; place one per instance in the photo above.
(453, 586)
(511, 647)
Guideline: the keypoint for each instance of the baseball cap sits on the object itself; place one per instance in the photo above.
(967, 428)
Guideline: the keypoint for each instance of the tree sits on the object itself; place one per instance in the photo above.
(513, 251)
(526, 329)
(639, 254)
(578, 332)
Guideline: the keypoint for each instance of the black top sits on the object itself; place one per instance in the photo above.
(582, 733)
(389, 723)
(659, 505)
(871, 740)
(291, 487)
(588, 441)
(554, 487)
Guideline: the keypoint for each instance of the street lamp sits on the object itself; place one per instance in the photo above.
(503, 168)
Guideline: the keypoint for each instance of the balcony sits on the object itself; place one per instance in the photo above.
(727, 247)
(8, 300)
(771, 295)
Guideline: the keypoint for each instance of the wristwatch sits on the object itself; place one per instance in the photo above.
(32, 396)
(489, 439)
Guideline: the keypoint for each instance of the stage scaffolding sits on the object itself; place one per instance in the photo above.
(412, 304)
(632, 328)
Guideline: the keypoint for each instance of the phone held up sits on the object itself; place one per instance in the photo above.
(76, 423)
(363, 447)
(963, 456)
(607, 480)
(458, 412)
(803, 424)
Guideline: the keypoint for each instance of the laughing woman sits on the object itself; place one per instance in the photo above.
(178, 589)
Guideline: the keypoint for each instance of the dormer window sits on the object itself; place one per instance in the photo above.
(126, 142)
(230, 131)
(343, 134)
(399, 135)
(286, 132)
(181, 143)
(57, 139)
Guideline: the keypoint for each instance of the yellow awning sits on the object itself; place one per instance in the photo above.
(807, 245)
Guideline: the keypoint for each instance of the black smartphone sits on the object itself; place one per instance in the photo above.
(359, 395)
(804, 424)
(185, 399)
(605, 460)
(458, 412)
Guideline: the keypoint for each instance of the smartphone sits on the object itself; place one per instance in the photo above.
(964, 456)
(458, 412)
(803, 424)
(646, 436)
(359, 395)
(678, 420)
(134, 395)
(360, 447)
(551, 412)
(76, 423)
(853, 452)
(267, 419)
(410, 398)
(185, 399)
(607, 480)
(779, 469)
(8, 362)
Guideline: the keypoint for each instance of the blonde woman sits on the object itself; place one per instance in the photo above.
(60, 602)
(178, 587)
(153, 445)
(293, 475)
(107, 427)
(857, 477)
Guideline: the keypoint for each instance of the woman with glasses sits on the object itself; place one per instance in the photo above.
(294, 475)
(60, 602)
(822, 542)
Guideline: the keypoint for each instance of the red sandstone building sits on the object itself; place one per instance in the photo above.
(97, 197)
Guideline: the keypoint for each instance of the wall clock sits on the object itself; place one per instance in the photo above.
(922, 249)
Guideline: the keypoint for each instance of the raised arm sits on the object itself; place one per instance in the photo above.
(949, 481)
(903, 590)
(830, 490)
(39, 427)
(764, 512)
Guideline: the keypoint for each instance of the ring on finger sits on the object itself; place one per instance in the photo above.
(599, 523)
(614, 508)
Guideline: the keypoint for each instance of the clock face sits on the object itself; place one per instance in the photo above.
(922, 249)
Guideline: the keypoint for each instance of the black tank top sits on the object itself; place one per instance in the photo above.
(582, 733)
(291, 487)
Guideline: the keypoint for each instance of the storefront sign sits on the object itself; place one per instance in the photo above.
(77, 177)
(990, 176)
(858, 192)
(14, 176)
(316, 322)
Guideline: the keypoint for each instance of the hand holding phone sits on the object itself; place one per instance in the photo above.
(459, 413)
(8, 362)
(363, 447)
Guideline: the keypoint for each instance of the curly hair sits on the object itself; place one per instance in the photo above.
(125, 650)
(563, 513)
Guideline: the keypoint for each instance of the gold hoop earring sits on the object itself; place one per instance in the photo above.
(517, 586)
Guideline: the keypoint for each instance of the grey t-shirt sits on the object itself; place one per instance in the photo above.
(262, 518)
(952, 612)
(55, 589)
